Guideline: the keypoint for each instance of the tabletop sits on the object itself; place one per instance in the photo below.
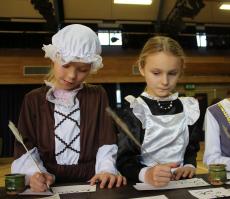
(125, 192)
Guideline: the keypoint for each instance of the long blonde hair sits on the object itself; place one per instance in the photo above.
(161, 44)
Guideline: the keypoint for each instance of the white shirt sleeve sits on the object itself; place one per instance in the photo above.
(212, 153)
(141, 175)
(26, 165)
(106, 159)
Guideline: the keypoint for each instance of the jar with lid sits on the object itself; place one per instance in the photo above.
(14, 183)
(217, 174)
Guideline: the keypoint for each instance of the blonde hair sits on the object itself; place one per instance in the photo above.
(161, 44)
(50, 75)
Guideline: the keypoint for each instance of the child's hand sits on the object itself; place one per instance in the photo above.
(159, 175)
(40, 181)
(184, 172)
(108, 178)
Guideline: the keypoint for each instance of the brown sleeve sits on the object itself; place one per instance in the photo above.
(107, 133)
(26, 128)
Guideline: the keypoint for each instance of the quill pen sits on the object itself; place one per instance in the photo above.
(126, 130)
(20, 139)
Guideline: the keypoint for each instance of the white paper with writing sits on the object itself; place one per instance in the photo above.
(153, 197)
(194, 182)
(56, 196)
(74, 189)
(30, 192)
(210, 193)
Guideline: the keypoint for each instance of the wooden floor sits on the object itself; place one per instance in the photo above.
(201, 168)
(5, 165)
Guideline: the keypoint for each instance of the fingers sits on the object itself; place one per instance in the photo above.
(112, 180)
(192, 173)
(184, 172)
(178, 174)
(161, 179)
(103, 181)
(38, 182)
(159, 175)
(108, 180)
(102, 178)
(121, 180)
(163, 171)
(49, 179)
(93, 180)
(124, 180)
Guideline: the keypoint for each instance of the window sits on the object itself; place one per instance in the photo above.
(110, 37)
(201, 39)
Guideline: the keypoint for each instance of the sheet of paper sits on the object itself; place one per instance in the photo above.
(193, 182)
(29, 192)
(56, 196)
(153, 197)
(74, 189)
(210, 193)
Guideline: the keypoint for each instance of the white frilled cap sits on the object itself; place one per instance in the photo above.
(75, 43)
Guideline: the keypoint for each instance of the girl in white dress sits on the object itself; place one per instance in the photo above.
(160, 120)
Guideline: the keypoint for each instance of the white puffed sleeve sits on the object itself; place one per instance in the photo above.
(191, 109)
(26, 165)
(140, 109)
(106, 159)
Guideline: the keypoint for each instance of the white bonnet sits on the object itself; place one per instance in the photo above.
(75, 43)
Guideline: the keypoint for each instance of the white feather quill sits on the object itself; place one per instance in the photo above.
(19, 138)
(126, 130)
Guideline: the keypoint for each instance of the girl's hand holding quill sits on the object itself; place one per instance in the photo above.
(39, 182)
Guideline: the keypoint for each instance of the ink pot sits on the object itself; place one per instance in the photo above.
(217, 174)
(14, 183)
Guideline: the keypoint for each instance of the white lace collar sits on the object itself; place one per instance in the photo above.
(62, 97)
(169, 98)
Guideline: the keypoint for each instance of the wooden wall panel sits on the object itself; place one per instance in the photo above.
(117, 68)
(205, 66)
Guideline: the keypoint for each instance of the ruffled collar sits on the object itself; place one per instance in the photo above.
(174, 96)
(62, 97)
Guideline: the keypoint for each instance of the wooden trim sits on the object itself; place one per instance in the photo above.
(117, 68)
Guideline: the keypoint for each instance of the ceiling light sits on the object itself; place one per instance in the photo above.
(225, 6)
(138, 2)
